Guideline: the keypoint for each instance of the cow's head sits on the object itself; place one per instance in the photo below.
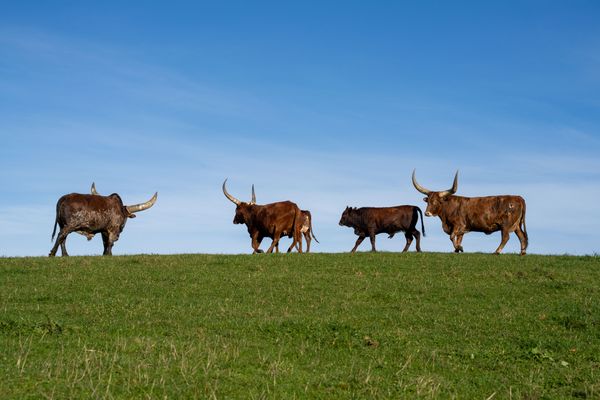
(243, 210)
(435, 200)
(347, 219)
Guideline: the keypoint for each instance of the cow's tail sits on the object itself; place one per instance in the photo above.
(312, 233)
(55, 221)
(54, 231)
(422, 225)
(523, 225)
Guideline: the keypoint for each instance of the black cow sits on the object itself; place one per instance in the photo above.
(369, 221)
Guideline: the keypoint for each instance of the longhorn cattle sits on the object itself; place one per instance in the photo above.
(306, 229)
(89, 214)
(460, 215)
(273, 220)
(369, 221)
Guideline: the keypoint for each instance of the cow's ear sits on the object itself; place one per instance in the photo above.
(132, 215)
(426, 199)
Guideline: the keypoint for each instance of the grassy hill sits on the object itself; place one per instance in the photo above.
(328, 326)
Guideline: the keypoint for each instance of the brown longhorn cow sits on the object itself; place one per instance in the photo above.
(273, 220)
(369, 221)
(489, 214)
(88, 214)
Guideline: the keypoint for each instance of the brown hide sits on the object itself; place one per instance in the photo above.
(370, 221)
(460, 215)
(270, 221)
(89, 214)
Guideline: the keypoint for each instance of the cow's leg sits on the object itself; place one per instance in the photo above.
(256, 240)
(63, 248)
(297, 234)
(358, 242)
(308, 239)
(294, 244)
(372, 237)
(417, 235)
(521, 235)
(62, 236)
(297, 244)
(113, 236)
(459, 238)
(105, 243)
(108, 244)
(276, 237)
(505, 235)
(456, 238)
(409, 239)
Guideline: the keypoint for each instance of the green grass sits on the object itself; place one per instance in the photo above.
(325, 326)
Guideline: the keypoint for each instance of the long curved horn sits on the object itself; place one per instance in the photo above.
(454, 187)
(253, 201)
(230, 197)
(144, 206)
(94, 189)
(417, 186)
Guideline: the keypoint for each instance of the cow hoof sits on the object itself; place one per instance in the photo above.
(496, 253)
(523, 253)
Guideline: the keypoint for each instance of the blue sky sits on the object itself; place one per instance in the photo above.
(327, 104)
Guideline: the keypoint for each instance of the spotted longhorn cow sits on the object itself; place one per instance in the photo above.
(89, 214)
(460, 215)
